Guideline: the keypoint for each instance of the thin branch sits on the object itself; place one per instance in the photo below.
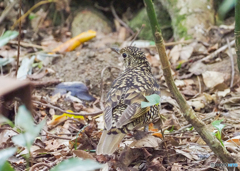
(232, 64)
(7, 10)
(24, 44)
(19, 35)
(33, 168)
(186, 109)
(215, 53)
(119, 20)
(237, 31)
(189, 125)
(31, 9)
(61, 110)
(55, 136)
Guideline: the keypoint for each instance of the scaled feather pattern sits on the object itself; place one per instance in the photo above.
(123, 112)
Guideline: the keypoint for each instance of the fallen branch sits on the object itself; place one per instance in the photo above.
(44, 83)
(186, 109)
(30, 10)
(72, 113)
(232, 64)
(24, 44)
(7, 10)
(215, 53)
(119, 20)
(33, 168)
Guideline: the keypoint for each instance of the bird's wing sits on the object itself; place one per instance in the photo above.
(134, 109)
(131, 96)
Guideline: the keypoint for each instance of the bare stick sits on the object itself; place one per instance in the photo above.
(31, 9)
(19, 36)
(186, 109)
(7, 10)
(232, 63)
(26, 44)
(33, 168)
(189, 125)
(134, 38)
(61, 110)
(212, 55)
(119, 20)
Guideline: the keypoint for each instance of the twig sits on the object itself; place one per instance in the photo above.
(7, 10)
(72, 113)
(25, 44)
(30, 10)
(134, 38)
(75, 143)
(231, 140)
(33, 168)
(232, 63)
(189, 125)
(212, 55)
(172, 43)
(19, 36)
(65, 121)
(9, 128)
(200, 86)
(186, 109)
(100, 7)
(119, 20)
(54, 136)
(177, 43)
(44, 83)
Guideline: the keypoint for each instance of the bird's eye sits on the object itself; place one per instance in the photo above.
(124, 55)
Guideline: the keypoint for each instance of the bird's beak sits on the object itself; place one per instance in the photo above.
(115, 50)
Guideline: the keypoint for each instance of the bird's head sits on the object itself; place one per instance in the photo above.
(133, 57)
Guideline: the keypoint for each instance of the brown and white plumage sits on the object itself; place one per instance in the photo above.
(123, 112)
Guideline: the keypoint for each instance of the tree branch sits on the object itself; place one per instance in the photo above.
(187, 111)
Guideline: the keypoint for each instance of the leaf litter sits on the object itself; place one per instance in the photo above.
(205, 85)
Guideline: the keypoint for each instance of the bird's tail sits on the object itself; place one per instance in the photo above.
(108, 143)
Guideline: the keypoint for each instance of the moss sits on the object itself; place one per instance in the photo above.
(182, 31)
(142, 18)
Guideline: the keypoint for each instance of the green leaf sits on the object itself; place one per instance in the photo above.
(217, 124)
(4, 120)
(31, 16)
(172, 129)
(5, 61)
(25, 121)
(4, 155)
(26, 139)
(179, 66)
(23, 117)
(7, 166)
(225, 7)
(8, 35)
(153, 99)
(74, 164)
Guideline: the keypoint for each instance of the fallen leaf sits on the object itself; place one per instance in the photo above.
(212, 78)
(83, 154)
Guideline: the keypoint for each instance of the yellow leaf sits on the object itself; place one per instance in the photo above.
(75, 41)
(73, 116)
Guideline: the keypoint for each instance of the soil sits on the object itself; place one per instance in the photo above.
(85, 65)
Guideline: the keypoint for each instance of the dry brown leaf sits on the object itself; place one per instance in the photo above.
(5, 135)
(83, 154)
(176, 167)
(175, 54)
(212, 78)
(147, 141)
(186, 52)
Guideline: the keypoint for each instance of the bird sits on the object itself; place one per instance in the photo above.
(123, 112)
